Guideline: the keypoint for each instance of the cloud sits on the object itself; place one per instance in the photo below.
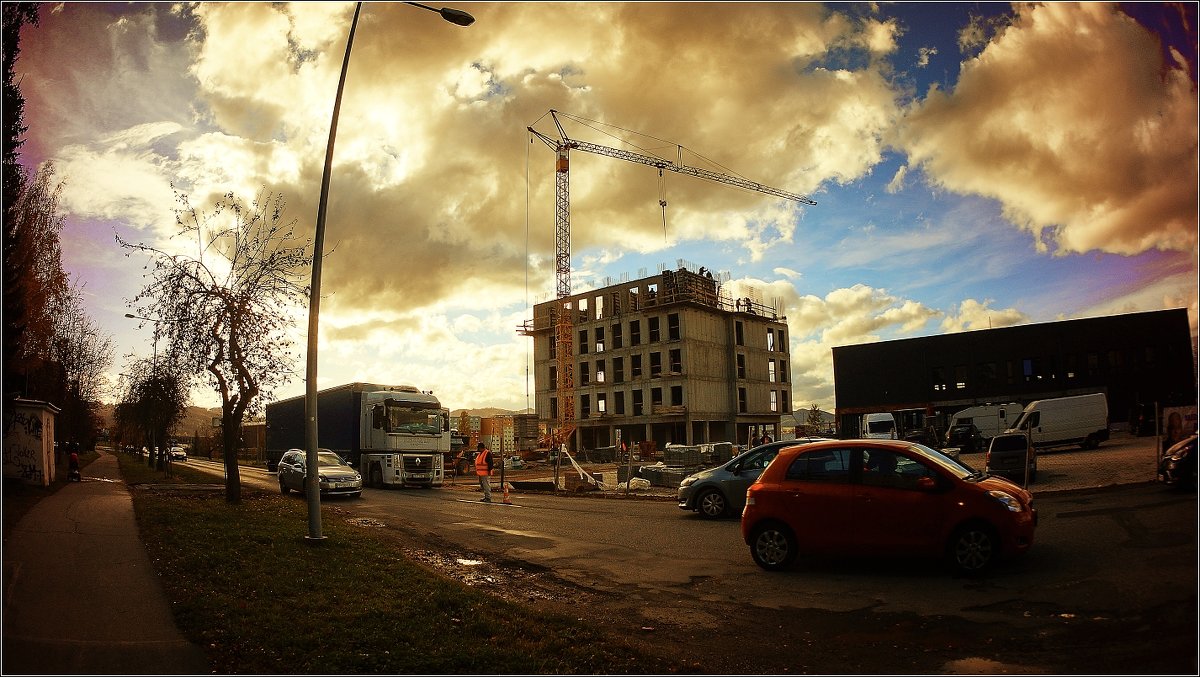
(1072, 121)
(974, 314)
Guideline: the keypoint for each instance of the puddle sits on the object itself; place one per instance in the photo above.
(986, 666)
(469, 562)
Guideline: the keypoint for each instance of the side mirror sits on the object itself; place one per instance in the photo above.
(926, 484)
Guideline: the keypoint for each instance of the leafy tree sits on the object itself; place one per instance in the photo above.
(814, 422)
(155, 401)
(224, 307)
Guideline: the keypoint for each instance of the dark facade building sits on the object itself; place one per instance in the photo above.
(1136, 359)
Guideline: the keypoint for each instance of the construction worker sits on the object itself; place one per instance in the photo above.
(483, 468)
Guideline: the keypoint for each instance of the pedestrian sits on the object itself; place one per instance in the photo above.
(483, 468)
(766, 438)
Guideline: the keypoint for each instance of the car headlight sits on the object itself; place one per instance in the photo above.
(1007, 499)
(322, 478)
(687, 481)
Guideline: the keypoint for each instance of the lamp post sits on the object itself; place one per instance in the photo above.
(311, 481)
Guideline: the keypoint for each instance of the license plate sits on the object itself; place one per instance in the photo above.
(419, 475)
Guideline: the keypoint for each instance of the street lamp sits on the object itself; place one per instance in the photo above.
(154, 453)
(312, 485)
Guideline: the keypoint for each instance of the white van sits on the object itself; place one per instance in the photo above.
(1082, 420)
(991, 419)
(881, 426)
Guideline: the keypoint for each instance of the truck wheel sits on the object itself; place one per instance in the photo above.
(376, 477)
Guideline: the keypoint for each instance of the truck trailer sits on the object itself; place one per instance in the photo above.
(395, 435)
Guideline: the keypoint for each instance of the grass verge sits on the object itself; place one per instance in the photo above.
(246, 586)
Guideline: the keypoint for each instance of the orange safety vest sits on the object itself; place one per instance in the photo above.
(481, 460)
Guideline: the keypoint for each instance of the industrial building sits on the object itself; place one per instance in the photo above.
(1136, 359)
(670, 358)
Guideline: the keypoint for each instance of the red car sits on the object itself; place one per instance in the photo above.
(883, 497)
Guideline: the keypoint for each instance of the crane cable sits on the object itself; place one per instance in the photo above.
(662, 200)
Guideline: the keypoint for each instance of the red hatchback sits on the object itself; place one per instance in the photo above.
(883, 497)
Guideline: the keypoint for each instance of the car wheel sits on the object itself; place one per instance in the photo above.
(283, 489)
(973, 548)
(773, 546)
(711, 504)
(376, 477)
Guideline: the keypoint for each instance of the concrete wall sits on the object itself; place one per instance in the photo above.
(29, 442)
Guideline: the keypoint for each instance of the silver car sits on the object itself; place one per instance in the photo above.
(722, 490)
(334, 475)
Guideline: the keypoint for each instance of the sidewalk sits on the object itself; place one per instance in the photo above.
(80, 596)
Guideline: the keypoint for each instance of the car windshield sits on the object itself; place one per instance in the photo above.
(958, 468)
(328, 458)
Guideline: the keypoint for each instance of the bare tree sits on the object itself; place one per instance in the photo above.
(224, 308)
(80, 353)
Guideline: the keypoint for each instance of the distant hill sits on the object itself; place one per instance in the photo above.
(196, 419)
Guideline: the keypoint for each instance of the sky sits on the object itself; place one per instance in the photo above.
(974, 165)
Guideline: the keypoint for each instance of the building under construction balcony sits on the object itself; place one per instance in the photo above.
(671, 358)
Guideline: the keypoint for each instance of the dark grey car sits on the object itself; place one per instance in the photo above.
(722, 490)
(1007, 454)
(334, 475)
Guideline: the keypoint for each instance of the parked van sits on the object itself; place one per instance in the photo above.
(991, 419)
(1081, 419)
(880, 426)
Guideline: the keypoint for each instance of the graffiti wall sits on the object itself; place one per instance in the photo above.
(29, 442)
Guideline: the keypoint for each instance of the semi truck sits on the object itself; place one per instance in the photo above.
(396, 435)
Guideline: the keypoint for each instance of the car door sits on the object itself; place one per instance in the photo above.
(291, 471)
(898, 504)
(817, 489)
(743, 474)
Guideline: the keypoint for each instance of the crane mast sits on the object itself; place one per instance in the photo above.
(564, 324)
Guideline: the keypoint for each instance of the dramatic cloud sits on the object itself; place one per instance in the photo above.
(1071, 119)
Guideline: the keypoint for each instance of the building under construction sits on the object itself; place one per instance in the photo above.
(670, 358)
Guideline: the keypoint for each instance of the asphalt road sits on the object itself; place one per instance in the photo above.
(1114, 562)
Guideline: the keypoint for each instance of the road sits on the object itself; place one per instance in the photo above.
(1118, 562)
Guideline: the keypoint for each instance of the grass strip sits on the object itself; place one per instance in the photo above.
(248, 587)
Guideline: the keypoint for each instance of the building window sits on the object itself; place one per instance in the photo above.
(988, 372)
(554, 407)
(633, 299)
(656, 397)
(638, 408)
(783, 373)
(771, 370)
(782, 338)
(774, 400)
(960, 377)
(583, 342)
(635, 366)
(676, 396)
(635, 332)
(741, 365)
(619, 403)
(599, 371)
(599, 339)
(618, 370)
(616, 336)
(553, 378)
(739, 333)
(583, 374)
(583, 309)
(673, 327)
(553, 341)
(651, 294)
(770, 339)
(654, 333)
(787, 405)
(601, 404)
(741, 400)
(585, 406)
(599, 307)
(676, 357)
(938, 378)
(655, 365)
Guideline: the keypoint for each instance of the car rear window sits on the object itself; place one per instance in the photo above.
(1010, 443)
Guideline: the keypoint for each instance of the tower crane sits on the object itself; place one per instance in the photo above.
(564, 326)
